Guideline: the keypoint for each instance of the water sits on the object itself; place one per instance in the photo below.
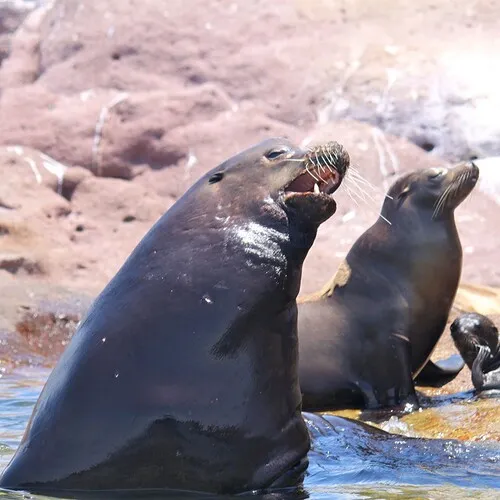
(347, 461)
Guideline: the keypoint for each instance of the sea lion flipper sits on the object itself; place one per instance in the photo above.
(406, 391)
(400, 391)
(484, 381)
(478, 377)
(439, 373)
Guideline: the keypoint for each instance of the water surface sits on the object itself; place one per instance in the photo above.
(348, 460)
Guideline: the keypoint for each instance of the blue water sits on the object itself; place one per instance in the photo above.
(347, 461)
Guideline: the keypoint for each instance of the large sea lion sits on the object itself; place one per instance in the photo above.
(183, 374)
(476, 338)
(372, 329)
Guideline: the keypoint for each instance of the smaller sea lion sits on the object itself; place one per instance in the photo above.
(366, 336)
(476, 338)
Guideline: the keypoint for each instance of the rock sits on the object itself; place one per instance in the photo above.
(21, 46)
(110, 133)
(109, 218)
(36, 321)
(12, 14)
(93, 65)
(209, 142)
(35, 117)
(108, 113)
(38, 168)
(81, 236)
(63, 224)
(15, 263)
(33, 183)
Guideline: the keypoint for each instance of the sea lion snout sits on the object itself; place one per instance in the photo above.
(468, 170)
(321, 173)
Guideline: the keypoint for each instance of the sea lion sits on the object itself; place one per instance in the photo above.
(183, 374)
(476, 338)
(371, 330)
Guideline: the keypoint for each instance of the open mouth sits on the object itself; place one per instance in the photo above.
(315, 181)
(325, 167)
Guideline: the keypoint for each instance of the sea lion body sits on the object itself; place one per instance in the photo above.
(373, 329)
(476, 338)
(183, 374)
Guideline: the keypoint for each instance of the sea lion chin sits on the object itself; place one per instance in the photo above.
(183, 374)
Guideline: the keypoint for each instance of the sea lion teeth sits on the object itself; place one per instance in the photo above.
(316, 188)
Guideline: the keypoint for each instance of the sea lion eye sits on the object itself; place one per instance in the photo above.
(401, 197)
(215, 177)
(275, 153)
(404, 193)
(436, 172)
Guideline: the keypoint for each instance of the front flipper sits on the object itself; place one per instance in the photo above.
(484, 381)
(441, 372)
(392, 385)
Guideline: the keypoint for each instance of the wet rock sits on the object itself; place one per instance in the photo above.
(16, 263)
(47, 332)
(36, 320)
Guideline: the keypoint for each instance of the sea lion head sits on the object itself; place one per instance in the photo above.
(470, 331)
(435, 191)
(278, 173)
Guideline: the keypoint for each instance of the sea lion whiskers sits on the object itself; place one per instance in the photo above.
(350, 194)
(321, 167)
(311, 174)
(452, 189)
(330, 159)
(465, 177)
(358, 182)
(360, 192)
(317, 164)
(357, 175)
(307, 166)
(386, 220)
(441, 201)
(323, 156)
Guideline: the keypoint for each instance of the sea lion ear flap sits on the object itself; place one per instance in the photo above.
(402, 196)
